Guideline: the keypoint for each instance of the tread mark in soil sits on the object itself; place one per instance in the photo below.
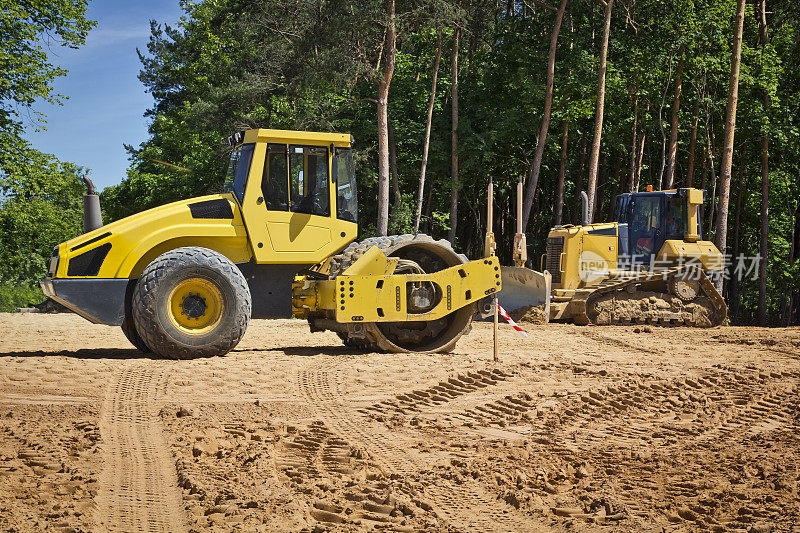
(138, 488)
(443, 392)
(315, 453)
(613, 341)
(456, 504)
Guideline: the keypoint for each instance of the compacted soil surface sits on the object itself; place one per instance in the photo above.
(615, 428)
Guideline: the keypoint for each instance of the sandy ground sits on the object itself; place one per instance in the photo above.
(575, 429)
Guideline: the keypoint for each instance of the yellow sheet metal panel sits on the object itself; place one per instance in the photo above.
(139, 238)
(583, 253)
(372, 262)
(705, 252)
(383, 298)
(695, 196)
(598, 257)
(339, 140)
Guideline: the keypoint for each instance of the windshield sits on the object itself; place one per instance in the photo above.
(238, 168)
(346, 196)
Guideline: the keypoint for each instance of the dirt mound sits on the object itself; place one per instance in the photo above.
(643, 307)
(530, 314)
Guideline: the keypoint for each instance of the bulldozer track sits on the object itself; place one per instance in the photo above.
(138, 488)
(584, 301)
(455, 504)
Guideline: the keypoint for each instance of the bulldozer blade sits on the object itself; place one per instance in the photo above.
(523, 287)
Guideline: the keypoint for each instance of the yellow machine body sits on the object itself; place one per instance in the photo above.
(133, 242)
(584, 256)
(289, 206)
(370, 291)
(652, 246)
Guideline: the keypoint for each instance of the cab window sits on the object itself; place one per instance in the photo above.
(644, 224)
(308, 180)
(238, 169)
(274, 181)
(345, 179)
(677, 219)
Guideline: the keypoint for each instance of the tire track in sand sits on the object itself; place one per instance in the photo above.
(138, 488)
(466, 507)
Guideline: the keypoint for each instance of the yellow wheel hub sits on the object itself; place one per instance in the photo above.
(195, 306)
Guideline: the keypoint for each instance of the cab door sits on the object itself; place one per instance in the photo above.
(646, 228)
(295, 187)
(289, 205)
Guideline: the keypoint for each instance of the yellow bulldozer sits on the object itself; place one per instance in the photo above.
(650, 266)
(184, 279)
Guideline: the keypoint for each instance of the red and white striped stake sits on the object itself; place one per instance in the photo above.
(511, 321)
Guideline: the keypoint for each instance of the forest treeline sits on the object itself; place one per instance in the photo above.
(606, 96)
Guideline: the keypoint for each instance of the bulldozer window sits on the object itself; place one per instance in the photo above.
(644, 225)
(308, 180)
(677, 219)
(274, 181)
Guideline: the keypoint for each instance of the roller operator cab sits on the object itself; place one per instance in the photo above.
(183, 279)
(654, 248)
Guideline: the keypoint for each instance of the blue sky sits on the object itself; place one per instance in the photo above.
(106, 100)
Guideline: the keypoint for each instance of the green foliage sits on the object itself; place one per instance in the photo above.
(39, 196)
(27, 28)
(230, 65)
(14, 295)
(40, 206)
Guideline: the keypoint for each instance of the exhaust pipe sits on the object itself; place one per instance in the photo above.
(92, 218)
(585, 213)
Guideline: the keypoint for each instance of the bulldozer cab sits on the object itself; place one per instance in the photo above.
(297, 191)
(648, 219)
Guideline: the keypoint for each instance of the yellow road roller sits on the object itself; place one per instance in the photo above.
(184, 279)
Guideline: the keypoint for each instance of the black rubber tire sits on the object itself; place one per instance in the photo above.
(150, 303)
(129, 329)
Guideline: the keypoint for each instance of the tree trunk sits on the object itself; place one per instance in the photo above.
(764, 250)
(672, 156)
(703, 187)
(383, 123)
(661, 128)
(721, 234)
(712, 207)
(562, 170)
(598, 119)
(733, 286)
(541, 138)
(393, 165)
(428, 207)
(632, 181)
(602, 169)
(794, 251)
(641, 149)
(579, 182)
(427, 142)
(615, 172)
(693, 143)
(451, 236)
